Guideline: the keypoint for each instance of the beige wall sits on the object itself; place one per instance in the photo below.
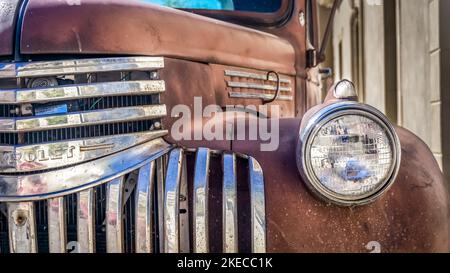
(404, 50)
(374, 55)
(439, 85)
(413, 67)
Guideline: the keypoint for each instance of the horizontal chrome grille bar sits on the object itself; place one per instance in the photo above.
(64, 67)
(255, 76)
(248, 85)
(57, 154)
(73, 92)
(83, 118)
(242, 95)
(79, 177)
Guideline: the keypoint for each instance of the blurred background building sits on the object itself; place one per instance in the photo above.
(397, 52)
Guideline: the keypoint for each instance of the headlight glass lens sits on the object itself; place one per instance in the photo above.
(351, 156)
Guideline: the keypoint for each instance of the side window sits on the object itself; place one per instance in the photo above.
(232, 5)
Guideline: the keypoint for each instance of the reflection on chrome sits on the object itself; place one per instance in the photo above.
(349, 153)
(124, 114)
(352, 155)
(201, 194)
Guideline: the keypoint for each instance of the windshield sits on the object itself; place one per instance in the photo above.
(237, 5)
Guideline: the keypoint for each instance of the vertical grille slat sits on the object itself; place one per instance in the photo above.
(229, 205)
(171, 202)
(144, 203)
(257, 206)
(201, 193)
(57, 228)
(154, 207)
(86, 221)
(114, 216)
(160, 189)
(22, 228)
(184, 227)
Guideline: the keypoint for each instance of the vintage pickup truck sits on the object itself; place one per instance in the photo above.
(90, 160)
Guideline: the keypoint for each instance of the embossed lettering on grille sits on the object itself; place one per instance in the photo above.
(172, 201)
(59, 113)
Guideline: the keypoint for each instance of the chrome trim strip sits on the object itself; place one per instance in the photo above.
(257, 206)
(249, 85)
(77, 66)
(185, 233)
(80, 177)
(63, 153)
(68, 92)
(7, 70)
(161, 164)
(57, 235)
(83, 118)
(200, 205)
(114, 214)
(242, 95)
(255, 76)
(86, 221)
(144, 204)
(171, 202)
(22, 228)
(229, 204)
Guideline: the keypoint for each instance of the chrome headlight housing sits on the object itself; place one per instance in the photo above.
(349, 153)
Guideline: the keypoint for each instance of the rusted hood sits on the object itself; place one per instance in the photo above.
(8, 10)
(133, 27)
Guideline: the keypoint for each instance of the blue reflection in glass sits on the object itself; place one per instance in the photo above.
(195, 4)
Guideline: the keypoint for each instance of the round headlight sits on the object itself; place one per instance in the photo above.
(349, 153)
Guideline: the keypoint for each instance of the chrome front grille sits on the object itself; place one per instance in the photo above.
(58, 113)
(161, 202)
(84, 168)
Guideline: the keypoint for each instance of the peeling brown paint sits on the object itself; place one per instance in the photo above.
(130, 27)
(8, 9)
